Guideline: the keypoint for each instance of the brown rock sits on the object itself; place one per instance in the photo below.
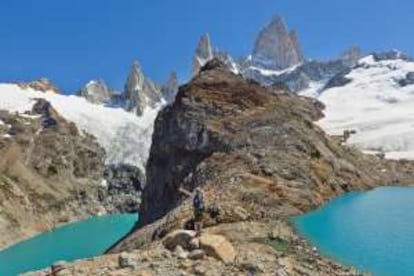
(218, 247)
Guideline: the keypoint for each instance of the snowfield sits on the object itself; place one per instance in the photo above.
(376, 106)
(125, 137)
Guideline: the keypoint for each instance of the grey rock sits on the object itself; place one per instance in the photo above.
(124, 260)
(121, 190)
(203, 54)
(96, 92)
(351, 55)
(408, 80)
(339, 80)
(197, 254)
(170, 89)
(391, 55)
(275, 47)
(180, 252)
(200, 270)
(140, 92)
(180, 238)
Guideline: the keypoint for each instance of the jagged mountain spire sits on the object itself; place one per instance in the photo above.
(203, 54)
(140, 92)
(276, 47)
(351, 55)
(170, 88)
(134, 87)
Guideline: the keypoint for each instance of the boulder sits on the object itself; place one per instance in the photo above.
(218, 247)
(180, 252)
(182, 238)
(197, 254)
(124, 260)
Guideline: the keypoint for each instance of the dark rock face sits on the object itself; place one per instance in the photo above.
(122, 189)
(338, 80)
(408, 80)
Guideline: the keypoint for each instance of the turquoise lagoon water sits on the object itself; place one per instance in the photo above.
(79, 240)
(372, 231)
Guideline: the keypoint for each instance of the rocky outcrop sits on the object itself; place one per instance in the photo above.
(391, 55)
(49, 173)
(121, 189)
(96, 92)
(277, 48)
(203, 54)
(408, 80)
(140, 92)
(42, 84)
(300, 77)
(170, 89)
(259, 158)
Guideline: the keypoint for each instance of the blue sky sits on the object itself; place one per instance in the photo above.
(73, 41)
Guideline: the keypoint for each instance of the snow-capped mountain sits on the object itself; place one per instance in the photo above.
(373, 95)
(125, 136)
(140, 92)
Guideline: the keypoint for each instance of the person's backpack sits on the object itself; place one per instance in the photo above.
(198, 202)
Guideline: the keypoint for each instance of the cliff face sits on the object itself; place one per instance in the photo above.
(276, 47)
(51, 174)
(257, 154)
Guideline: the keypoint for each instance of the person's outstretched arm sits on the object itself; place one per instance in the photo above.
(186, 192)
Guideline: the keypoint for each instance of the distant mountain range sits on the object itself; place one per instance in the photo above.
(276, 61)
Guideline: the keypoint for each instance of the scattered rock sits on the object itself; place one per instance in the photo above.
(180, 252)
(179, 237)
(194, 243)
(124, 260)
(197, 254)
(200, 270)
(218, 247)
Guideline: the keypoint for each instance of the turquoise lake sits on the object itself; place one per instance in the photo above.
(79, 240)
(372, 231)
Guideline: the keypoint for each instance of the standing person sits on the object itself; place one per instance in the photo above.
(198, 208)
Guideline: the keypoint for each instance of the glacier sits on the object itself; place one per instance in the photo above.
(125, 137)
(376, 105)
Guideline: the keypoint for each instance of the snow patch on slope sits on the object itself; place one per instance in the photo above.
(376, 106)
(125, 137)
